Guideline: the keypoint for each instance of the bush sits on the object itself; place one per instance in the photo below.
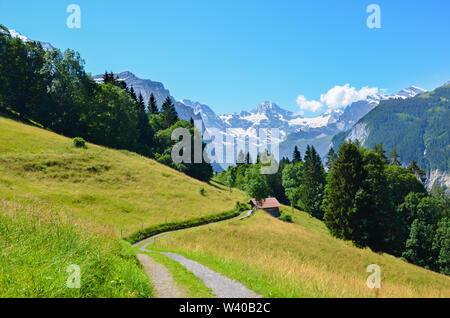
(242, 206)
(168, 227)
(286, 217)
(202, 191)
(79, 142)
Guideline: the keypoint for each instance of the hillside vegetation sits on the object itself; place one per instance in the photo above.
(417, 127)
(279, 259)
(61, 205)
(39, 248)
(113, 192)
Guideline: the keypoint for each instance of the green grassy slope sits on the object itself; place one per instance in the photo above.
(38, 246)
(60, 205)
(111, 191)
(301, 259)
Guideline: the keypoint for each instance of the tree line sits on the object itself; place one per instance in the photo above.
(362, 196)
(52, 89)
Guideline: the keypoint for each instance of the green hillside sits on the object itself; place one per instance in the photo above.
(299, 259)
(118, 192)
(417, 127)
(61, 205)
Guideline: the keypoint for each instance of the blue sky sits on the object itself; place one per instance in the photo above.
(235, 54)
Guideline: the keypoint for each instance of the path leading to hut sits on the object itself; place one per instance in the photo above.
(221, 286)
(165, 286)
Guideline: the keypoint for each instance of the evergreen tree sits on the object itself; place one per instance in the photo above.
(330, 158)
(145, 137)
(240, 158)
(248, 159)
(378, 148)
(133, 94)
(296, 157)
(415, 170)
(141, 103)
(345, 180)
(152, 107)
(169, 113)
(393, 157)
(313, 184)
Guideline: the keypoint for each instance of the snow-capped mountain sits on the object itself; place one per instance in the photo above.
(45, 45)
(293, 127)
(146, 87)
(410, 92)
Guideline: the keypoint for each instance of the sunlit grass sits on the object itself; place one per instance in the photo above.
(38, 245)
(279, 259)
(116, 189)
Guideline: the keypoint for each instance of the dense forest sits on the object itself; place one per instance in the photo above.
(417, 127)
(362, 196)
(52, 89)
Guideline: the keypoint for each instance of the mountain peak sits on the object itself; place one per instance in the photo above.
(15, 34)
(411, 91)
(266, 106)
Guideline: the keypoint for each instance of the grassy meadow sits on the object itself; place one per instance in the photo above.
(113, 192)
(38, 246)
(61, 205)
(299, 259)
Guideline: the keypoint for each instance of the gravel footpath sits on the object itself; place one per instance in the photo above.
(165, 286)
(221, 286)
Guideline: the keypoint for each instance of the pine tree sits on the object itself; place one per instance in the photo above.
(145, 136)
(169, 113)
(296, 157)
(415, 169)
(393, 157)
(133, 94)
(152, 107)
(240, 158)
(141, 103)
(330, 158)
(345, 179)
(313, 184)
(248, 159)
(378, 148)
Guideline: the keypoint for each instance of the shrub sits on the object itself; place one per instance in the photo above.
(202, 191)
(286, 217)
(242, 206)
(168, 227)
(79, 142)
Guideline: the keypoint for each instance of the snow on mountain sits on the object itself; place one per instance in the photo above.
(266, 115)
(409, 92)
(45, 45)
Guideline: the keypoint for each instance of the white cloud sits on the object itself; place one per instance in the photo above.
(310, 105)
(340, 96)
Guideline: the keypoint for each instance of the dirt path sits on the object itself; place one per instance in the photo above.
(163, 281)
(222, 287)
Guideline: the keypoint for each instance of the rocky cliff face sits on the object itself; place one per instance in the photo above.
(438, 177)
